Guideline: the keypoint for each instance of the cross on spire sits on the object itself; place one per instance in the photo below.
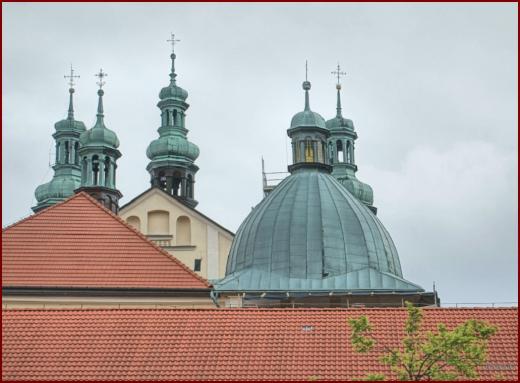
(173, 41)
(338, 73)
(101, 75)
(71, 77)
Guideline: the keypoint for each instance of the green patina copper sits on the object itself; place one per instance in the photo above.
(341, 154)
(311, 233)
(67, 170)
(172, 157)
(98, 155)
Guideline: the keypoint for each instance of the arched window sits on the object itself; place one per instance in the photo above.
(348, 153)
(107, 167)
(339, 148)
(189, 187)
(58, 148)
(175, 117)
(176, 183)
(76, 153)
(84, 170)
(167, 117)
(309, 150)
(183, 231)
(158, 222)
(67, 152)
(95, 169)
(134, 221)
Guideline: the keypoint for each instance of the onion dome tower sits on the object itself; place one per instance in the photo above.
(98, 154)
(310, 238)
(172, 157)
(67, 170)
(341, 152)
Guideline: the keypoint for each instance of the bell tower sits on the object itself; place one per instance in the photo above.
(98, 155)
(67, 170)
(172, 157)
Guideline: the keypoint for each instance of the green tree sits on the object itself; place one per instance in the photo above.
(443, 355)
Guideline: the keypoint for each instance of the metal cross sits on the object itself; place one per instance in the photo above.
(173, 41)
(338, 73)
(71, 77)
(101, 75)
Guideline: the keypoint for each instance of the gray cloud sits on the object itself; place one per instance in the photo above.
(432, 90)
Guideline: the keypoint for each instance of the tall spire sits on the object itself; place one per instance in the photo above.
(71, 78)
(101, 75)
(306, 86)
(172, 40)
(338, 73)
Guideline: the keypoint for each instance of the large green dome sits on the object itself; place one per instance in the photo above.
(340, 123)
(99, 136)
(172, 146)
(311, 234)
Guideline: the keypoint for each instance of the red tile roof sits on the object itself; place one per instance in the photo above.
(217, 344)
(79, 243)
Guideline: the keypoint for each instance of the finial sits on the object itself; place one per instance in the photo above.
(337, 74)
(71, 78)
(306, 86)
(101, 75)
(172, 40)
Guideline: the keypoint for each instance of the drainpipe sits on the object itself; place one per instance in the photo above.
(214, 297)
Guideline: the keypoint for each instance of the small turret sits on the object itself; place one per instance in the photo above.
(308, 135)
(98, 155)
(341, 151)
(172, 157)
(67, 171)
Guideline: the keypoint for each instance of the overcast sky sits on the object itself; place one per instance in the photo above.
(431, 88)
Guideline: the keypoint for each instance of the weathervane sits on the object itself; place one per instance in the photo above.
(173, 41)
(71, 77)
(101, 75)
(338, 73)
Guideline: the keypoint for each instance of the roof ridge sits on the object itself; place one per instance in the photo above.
(142, 236)
(33, 215)
(264, 309)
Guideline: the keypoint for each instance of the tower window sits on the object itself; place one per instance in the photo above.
(197, 265)
(67, 152)
(107, 167)
(95, 169)
(348, 153)
(339, 148)
(84, 170)
(309, 151)
(167, 117)
(175, 117)
(76, 153)
(189, 186)
(162, 180)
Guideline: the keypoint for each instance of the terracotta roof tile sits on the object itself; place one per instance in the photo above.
(79, 243)
(221, 344)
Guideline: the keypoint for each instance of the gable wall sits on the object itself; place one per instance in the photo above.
(209, 242)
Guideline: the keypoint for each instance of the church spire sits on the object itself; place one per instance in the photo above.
(71, 78)
(173, 75)
(306, 86)
(101, 75)
(338, 73)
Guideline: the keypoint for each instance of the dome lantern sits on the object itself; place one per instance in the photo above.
(308, 135)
